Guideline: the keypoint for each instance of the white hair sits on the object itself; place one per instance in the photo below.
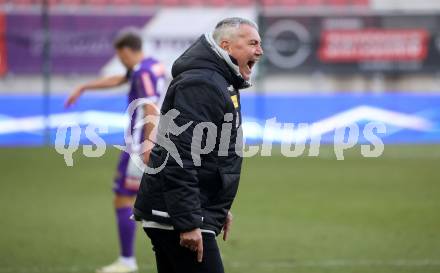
(227, 28)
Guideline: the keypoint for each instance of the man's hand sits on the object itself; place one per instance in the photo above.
(74, 97)
(194, 241)
(227, 226)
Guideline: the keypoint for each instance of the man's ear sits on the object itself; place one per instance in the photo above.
(225, 45)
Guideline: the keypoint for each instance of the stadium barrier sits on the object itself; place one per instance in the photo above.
(408, 118)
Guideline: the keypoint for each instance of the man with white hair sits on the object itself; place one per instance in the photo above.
(186, 205)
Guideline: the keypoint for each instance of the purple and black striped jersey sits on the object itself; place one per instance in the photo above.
(147, 81)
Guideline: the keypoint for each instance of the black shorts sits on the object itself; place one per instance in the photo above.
(171, 257)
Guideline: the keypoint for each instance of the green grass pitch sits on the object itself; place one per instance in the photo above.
(311, 215)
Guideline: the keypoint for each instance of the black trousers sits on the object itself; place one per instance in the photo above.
(171, 257)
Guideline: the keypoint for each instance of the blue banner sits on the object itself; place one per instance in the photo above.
(407, 118)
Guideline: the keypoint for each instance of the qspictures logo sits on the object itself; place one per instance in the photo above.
(207, 137)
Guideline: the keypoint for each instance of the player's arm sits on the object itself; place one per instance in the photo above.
(102, 83)
(152, 115)
(147, 90)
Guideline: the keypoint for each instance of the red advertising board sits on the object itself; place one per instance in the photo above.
(352, 43)
(373, 44)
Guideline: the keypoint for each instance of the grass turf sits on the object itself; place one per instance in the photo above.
(291, 214)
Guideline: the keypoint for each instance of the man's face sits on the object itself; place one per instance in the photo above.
(245, 47)
(127, 57)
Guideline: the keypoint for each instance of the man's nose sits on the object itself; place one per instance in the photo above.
(259, 51)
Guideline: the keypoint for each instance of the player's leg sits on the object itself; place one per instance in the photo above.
(125, 189)
(126, 227)
(126, 262)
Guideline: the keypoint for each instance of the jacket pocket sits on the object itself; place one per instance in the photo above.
(230, 183)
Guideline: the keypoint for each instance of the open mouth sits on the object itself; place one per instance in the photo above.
(250, 64)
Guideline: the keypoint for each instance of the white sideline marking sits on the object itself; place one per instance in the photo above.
(267, 264)
(338, 263)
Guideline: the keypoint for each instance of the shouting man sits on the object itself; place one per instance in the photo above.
(186, 205)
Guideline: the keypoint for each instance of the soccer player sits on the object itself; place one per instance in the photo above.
(146, 78)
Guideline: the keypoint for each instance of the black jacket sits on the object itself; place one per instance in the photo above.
(204, 89)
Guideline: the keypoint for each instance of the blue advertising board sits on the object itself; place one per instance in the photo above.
(407, 118)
